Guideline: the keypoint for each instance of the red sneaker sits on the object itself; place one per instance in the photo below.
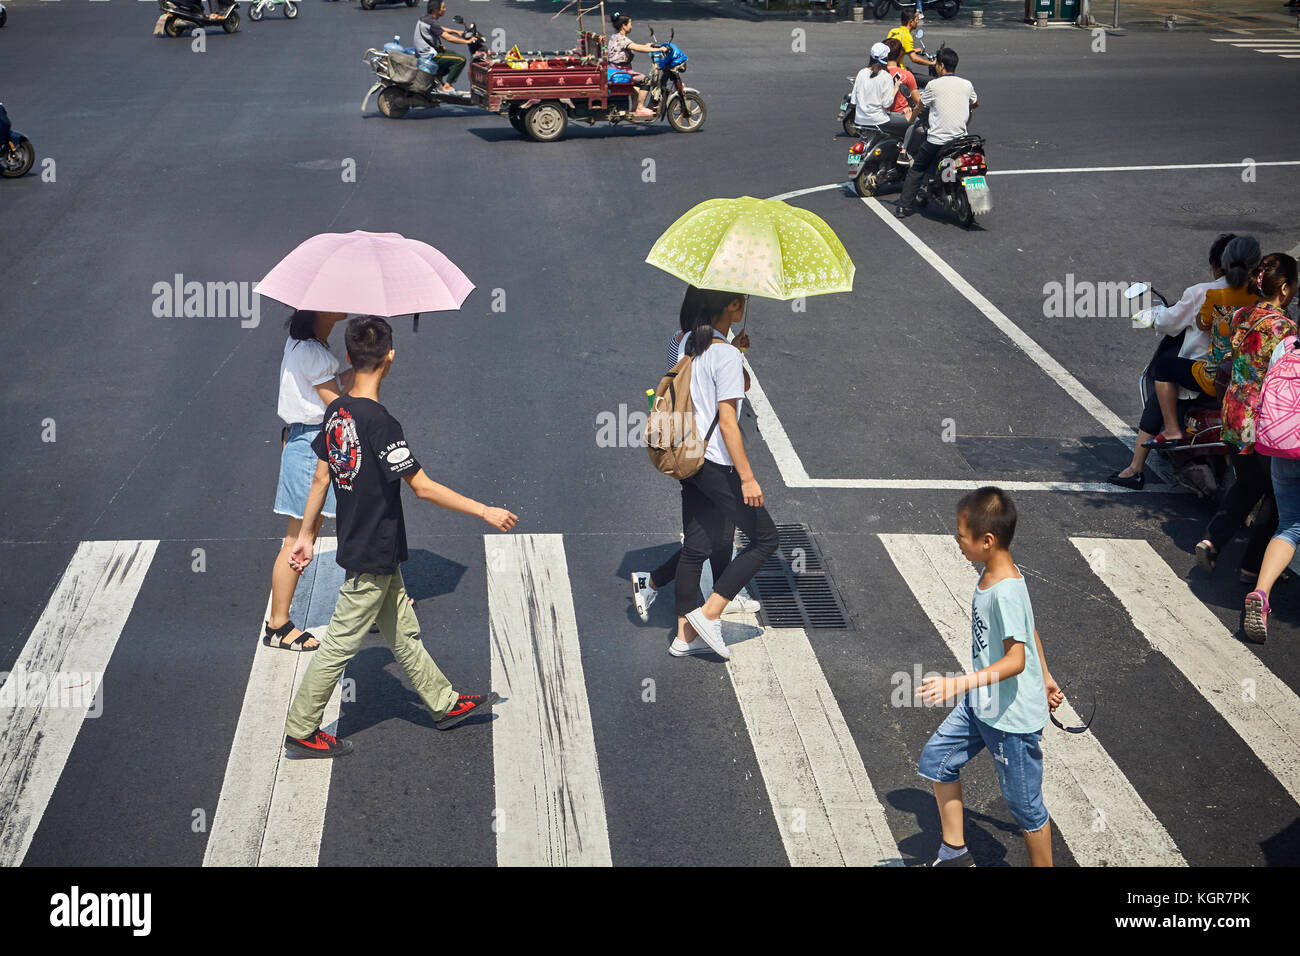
(318, 744)
(467, 705)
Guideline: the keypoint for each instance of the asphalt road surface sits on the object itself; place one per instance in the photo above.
(157, 161)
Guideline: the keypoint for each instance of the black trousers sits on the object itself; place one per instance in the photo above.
(1253, 483)
(712, 505)
(719, 558)
(1167, 368)
(923, 160)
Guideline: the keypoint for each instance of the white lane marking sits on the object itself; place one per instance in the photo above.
(1137, 169)
(295, 820)
(812, 189)
(550, 807)
(1053, 369)
(959, 484)
(1081, 783)
(253, 771)
(73, 641)
(1262, 709)
(824, 804)
(778, 442)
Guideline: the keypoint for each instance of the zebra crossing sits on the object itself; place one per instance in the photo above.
(555, 787)
(1287, 47)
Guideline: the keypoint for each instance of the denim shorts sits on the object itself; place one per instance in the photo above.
(1017, 757)
(1286, 491)
(297, 466)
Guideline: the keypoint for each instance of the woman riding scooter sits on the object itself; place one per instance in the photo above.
(1232, 258)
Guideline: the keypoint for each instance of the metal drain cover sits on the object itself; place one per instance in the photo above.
(793, 585)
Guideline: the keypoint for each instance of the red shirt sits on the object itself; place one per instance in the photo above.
(909, 81)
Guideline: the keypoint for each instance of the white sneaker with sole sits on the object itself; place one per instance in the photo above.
(709, 631)
(643, 594)
(743, 602)
(682, 649)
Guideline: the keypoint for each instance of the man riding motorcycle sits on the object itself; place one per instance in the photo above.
(950, 100)
(429, 38)
(911, 20)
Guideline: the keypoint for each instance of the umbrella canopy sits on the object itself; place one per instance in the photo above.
(376, 273)
(760, 247)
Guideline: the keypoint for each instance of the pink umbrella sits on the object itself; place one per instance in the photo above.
(379, 273)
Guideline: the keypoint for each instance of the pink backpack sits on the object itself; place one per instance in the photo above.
(1277, 422)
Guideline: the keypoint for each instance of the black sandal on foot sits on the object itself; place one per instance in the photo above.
(275, 638)
(1135, 482)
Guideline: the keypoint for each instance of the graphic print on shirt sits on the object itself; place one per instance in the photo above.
(344, 447)
(977, 631)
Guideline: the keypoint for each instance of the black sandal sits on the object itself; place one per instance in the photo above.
(275, 638)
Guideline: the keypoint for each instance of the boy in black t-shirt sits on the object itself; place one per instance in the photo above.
(362, 449)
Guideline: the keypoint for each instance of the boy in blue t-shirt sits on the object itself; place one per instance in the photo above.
(1008, 694)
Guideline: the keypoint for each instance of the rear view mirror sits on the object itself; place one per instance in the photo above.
(458, 18)
(1136, 289)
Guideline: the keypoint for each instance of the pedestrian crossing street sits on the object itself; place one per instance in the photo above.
(1285, 46)
(554, 772)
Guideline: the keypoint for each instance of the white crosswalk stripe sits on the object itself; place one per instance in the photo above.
(550, 807)
(1286, 47)
(73, 640)
(271, 811)
(1263, 710)
(1082, 785)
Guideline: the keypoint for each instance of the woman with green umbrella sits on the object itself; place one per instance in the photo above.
(729, 249)
(723, 494)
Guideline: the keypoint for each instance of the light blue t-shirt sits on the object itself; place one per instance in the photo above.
(1016, 705)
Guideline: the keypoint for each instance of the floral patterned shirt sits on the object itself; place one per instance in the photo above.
(1256, 332)
(616, 50)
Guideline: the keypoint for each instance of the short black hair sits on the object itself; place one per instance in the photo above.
(989, 510)
(948, 58)
(907, 15)
(433, 5)
(369, 340)
(1216, 250)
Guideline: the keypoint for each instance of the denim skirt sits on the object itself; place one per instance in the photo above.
(297, 466)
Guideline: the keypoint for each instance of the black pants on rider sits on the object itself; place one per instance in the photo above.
(922, 163)
(1253, 484)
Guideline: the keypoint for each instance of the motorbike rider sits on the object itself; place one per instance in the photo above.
(873, 95)
(910, 20)
(429, 38)
(950, 99)
(1232, 259)
(618, 51)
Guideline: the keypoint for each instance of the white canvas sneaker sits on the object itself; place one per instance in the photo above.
(643, 594)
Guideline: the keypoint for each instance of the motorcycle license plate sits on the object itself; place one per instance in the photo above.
(855, 159)
(972, 183)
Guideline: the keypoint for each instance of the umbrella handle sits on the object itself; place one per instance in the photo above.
(415, 322)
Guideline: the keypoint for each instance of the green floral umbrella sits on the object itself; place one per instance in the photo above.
(760, 247)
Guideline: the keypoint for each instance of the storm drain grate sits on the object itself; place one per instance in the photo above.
(793, 585)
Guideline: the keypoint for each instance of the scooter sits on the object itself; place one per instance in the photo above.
(848, 110)
(945, 8)
(16, 155)
(958, 180)
(873, 160)
(1201, 463)
(178, 16)
(403, 85)
(260, 8)
(3, 16)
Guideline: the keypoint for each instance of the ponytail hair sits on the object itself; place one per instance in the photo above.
(302, 325)
(1275, 269)
(876, 67)
(1240, 257)
(699, 308)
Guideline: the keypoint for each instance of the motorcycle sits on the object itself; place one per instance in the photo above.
(16, 155)
(180, 15)
(260, 8)
(958, 181)
(945, 8)
(3, 16)
(1201, 463)
(873, 160)
(669, 97)
(401, 82)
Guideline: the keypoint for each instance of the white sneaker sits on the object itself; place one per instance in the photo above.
(709, 631)
(743, 602)
(682, 649)
(643, 594)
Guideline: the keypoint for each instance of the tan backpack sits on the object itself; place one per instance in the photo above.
(670, 431)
